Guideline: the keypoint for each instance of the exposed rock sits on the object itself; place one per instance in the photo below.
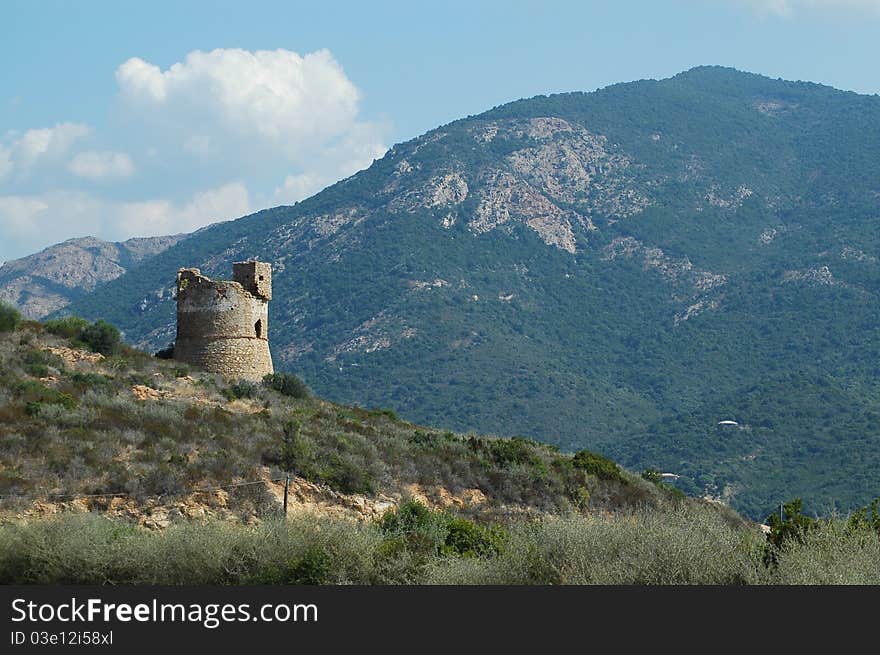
(679, 272)
(768, 235)
(504, 198)
(773, 106)
(328, 224)
(731, 201)
(572, 165)
(820, 276)
(449, 188)
(72, 357)
(36, 284)
(857, 255)
(435, 284)
(143, 392)
(697, 308)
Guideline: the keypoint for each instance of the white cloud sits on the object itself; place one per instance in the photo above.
(46, 143)
(159, 217)
(299, 186)
(101, 165)
(283, 125)
(338, 163)
(19, 216)
(26, 220)
(278, 97)
(791, 7)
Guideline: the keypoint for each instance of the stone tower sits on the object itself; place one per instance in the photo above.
(223, 326)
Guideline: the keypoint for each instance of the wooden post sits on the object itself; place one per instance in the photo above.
(286, 485)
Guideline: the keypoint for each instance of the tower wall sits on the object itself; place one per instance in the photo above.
(255, 277)
(222, 327)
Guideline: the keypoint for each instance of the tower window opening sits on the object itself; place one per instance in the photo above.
(258, 328)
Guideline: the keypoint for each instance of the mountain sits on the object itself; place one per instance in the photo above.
(681, 274)
(47, 281)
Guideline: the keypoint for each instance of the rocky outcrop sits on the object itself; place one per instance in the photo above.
(304, 497)
(48, 280)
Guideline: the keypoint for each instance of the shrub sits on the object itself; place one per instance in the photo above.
(94, 381)
(287, 384)
(68, 327)
(467, 539)
(652, 475)
(36, 363)
(513, 451)
(384, 411)
(10, 318)
(297, 453)
(594, 464)
(683, 546)
(433, 533)
(166, 353)
(102, 338)
(792, 526)
(829, 553)
(240, 389)
(865, 518)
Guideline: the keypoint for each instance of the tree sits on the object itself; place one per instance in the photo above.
(793, 525)
(9, 317)
(102, 338)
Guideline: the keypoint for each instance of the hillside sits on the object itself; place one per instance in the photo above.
(118, 468)
(618, 270)
(151, 439)
(47, 281)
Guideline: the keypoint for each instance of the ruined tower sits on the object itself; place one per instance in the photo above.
(222, 325)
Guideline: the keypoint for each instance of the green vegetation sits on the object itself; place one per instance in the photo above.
(427, 533)
(100, 336)
(601, 467)
(72, 429)
(141, 427)
(592, 352)
(286, 384)
(683, 545)
(9, 317)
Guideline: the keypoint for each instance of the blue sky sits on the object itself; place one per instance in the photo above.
(124, 119)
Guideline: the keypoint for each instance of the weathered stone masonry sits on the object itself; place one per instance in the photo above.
(222, 325)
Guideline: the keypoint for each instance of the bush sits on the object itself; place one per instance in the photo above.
(68, 327)
(102, 338)
(432, 533)
(683, 546)
(652, 475)
(467, 539)
(9, 317)
(513, 451)
(240, 389)
(166, 353)
(287, 384)
(792, 526)
(36, 363)
(385, 411)
(594, 464)
(866, 518)
(91, 549)
(297, 453)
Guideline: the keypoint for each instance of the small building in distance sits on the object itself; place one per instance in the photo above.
(223, 325)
